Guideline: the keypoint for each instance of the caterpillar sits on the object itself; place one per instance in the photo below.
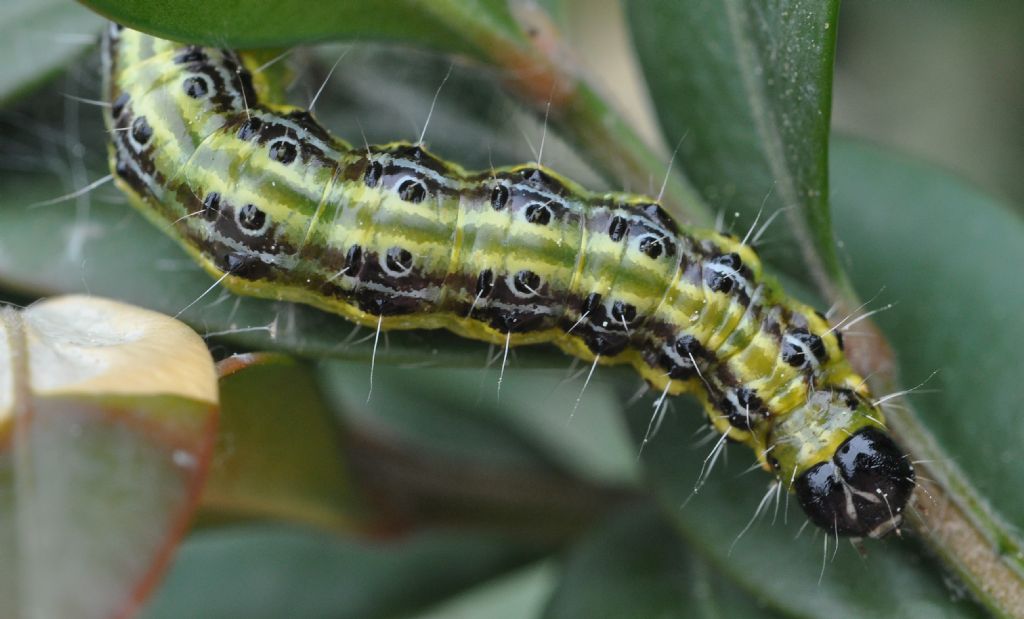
(273, 205)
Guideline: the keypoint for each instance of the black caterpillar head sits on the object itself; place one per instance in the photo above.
(862, 490)
(848, 474)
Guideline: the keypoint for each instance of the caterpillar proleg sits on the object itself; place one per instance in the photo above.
(393, 237)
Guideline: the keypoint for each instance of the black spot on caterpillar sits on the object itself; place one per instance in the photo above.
(393, 237)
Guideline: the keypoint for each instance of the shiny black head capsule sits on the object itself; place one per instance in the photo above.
(862, 490)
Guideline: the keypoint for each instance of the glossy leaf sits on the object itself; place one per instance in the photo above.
(745, 89)
(522, 593)
(279, 450)
(447, 25)
(110, 412)
(440, 445)
(948, 256)
(950, 268)
(634, 566)
(279, 571)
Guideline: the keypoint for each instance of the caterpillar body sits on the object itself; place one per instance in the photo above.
(392, 237)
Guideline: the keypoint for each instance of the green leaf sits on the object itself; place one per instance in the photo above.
(107, 417)
(745, 89)
(279, 451)
(949, 257)
(464, 26)
(38, 38)
(537, 422)
(273, 572)
(522, 593)
(438, 444)
(634, 565)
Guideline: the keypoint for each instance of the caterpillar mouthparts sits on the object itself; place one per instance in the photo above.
(393, 237)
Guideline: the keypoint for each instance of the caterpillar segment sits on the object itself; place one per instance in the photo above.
(266, 199)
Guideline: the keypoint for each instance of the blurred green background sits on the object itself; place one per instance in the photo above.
(940, 80)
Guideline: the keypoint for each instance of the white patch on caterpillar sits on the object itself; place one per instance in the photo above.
(277, 142)
(210, 89)
(648, 222)
(424, 172)
(549, 198)
(231, 86)
(731, 273)
(154, 188)
(411, 179)
(534, 207)
(540, 310)
(250, 231)
(513, 286)
(385, 264)
(130, 132)
(809, 357)
(299, 131)
(426, 294)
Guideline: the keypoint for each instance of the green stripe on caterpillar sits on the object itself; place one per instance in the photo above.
(392, 237)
